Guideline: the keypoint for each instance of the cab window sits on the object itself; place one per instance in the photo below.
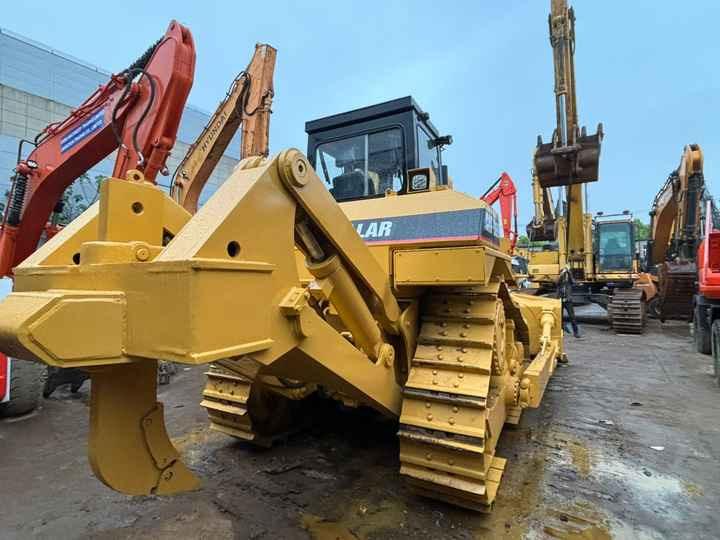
(427, 157)
(491, 224)
(363, 166)
(616, 246)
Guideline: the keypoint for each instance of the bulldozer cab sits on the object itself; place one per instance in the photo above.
(388, 148)
(615, 244)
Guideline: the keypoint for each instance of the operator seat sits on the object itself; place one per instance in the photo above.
(613, 247)
(351, 186)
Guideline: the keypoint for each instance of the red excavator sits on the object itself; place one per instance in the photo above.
(707, 300)
(137, 112)
(504, 190)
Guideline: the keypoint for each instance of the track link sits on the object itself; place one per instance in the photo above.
(226, 398)
(626, 311)
(461, 390)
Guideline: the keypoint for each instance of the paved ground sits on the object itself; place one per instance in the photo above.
(625, 445)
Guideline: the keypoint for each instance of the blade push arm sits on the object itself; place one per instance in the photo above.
(248, 103)
(137, 112)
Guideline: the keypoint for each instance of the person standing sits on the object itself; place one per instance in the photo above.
(565, 285)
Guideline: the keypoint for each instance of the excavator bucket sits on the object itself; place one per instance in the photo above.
(567, 165)
(677, 289)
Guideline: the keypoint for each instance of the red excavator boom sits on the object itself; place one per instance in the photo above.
(137, 112)
(504, 190)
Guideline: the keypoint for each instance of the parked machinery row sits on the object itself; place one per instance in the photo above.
(599, 251)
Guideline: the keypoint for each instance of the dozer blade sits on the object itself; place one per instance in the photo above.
(129, 449)
(568, 165)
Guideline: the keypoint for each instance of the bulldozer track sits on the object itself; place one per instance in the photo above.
(225, 397)
(627, 311)
(461, 390)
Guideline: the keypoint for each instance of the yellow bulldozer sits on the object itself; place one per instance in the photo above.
(371, 281)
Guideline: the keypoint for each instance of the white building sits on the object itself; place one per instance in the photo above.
(39, 85)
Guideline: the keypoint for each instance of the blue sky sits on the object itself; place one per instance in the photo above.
(483, 70)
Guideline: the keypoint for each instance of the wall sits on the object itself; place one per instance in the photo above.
(39, 85)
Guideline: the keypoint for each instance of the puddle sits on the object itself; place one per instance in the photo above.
(693, 489)
(581, 522)
(638, 480)
(581, 457)
(192, 445)
(197, 435)
(320, 529)
(360, 522)
(575, 523)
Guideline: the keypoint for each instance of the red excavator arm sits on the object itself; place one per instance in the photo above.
(504, 190)
(137, 112)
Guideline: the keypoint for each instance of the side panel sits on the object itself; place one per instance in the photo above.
(454, 266)
(470, 225)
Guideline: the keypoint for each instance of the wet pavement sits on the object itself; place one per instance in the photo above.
(626, 444)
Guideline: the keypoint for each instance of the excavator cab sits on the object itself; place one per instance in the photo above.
(615, 244)
(388, 148)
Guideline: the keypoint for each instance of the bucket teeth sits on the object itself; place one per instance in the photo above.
(448, 422)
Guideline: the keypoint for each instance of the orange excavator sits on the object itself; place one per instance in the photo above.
(247, 105)
(504, 190)
(137, 112)
(675, 234)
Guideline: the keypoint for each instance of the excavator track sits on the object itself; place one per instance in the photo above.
(626, 310)
(458, 396)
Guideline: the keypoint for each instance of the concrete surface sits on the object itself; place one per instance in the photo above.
(625, 445)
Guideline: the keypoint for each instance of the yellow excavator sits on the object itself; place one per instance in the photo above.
(401, 303)
(600, 251)
(675, 234)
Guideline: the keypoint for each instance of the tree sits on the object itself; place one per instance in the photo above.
(642, 230)
(523, 241)
(81, 194)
